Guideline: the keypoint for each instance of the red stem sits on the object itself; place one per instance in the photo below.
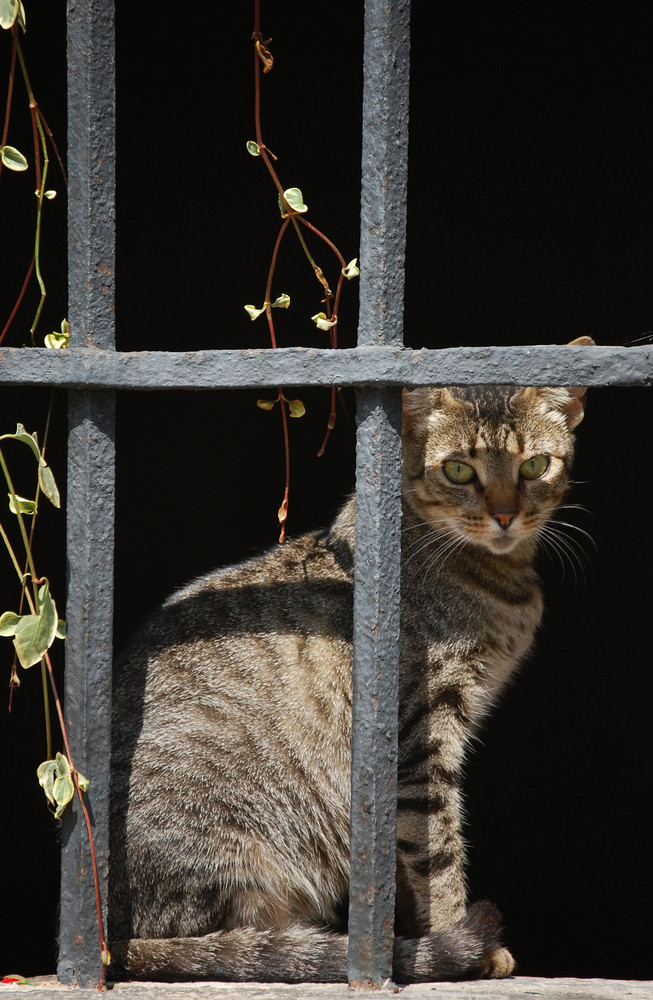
(326, 239)
(87, 820)
(48, 132)
(286, 444)
(10, 87)
(20, 298)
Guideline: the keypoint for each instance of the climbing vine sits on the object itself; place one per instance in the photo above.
(36, 625)
(293, 210)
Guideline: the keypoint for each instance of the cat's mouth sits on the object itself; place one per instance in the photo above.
(503, 543)
(501, 540)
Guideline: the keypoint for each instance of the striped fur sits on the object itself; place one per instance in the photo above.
(232, 718)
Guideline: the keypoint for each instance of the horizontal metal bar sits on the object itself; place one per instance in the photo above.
(90, 368)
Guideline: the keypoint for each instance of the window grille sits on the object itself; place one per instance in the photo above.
(379, 367)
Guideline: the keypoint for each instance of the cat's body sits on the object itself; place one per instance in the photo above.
(232, 718)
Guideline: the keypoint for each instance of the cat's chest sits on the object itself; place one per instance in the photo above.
(467, 630)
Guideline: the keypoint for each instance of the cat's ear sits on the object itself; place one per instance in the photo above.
(581, 342)
(574, 410)
(417, 404)
(423, 402)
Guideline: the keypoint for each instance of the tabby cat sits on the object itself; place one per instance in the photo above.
(232, 716)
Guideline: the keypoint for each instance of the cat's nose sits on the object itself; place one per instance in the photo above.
(504, 518)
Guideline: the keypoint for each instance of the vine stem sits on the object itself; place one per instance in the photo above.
(10, 87)
(40, 129)
(40, 150)
(14, 672)
(283, 509)
(20, 298)
(261, 55)
(32, 601)
(104, 951)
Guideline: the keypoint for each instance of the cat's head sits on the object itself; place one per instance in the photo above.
(488, 465)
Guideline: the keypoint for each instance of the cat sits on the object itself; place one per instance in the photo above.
(229, 850)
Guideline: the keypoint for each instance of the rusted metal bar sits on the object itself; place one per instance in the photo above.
(378, 506)
(362, 366)
(90, 500)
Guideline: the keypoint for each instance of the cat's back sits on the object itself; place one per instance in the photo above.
(232, 616)
(241, 682)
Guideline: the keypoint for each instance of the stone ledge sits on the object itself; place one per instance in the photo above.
(514, 988)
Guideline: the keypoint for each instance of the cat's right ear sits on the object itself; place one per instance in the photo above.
(575, 408)
(415, 406)
(422, 402)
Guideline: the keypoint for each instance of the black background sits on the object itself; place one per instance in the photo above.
(529, 222)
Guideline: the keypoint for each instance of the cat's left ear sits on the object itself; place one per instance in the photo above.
(574, 410)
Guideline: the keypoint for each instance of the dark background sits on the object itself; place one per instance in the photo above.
(530, 216)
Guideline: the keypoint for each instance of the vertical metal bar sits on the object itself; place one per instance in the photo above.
(91, 464)
(376, 661)
(378, 503)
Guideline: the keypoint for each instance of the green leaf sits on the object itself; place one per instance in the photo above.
(61, 629)
(48, 484)
(264, 404)
(22, 435)
(295, 199)
(253, 148)
(8, 623)
(9, 10)
(33, 634)
(56, 780)
(281, 302)
(46, 476)
(55, 340)
(24, 506)
(253, 312)
(12, 158)
(296, 407)
(322, 322)
(351, 270)
(45, 772)
(59, 339)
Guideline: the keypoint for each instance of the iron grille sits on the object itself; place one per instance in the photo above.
(379, 367)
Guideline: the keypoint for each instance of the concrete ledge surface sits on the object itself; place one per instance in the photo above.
(514, 988)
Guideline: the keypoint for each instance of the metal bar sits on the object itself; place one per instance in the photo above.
(375, 688)
(89, 614)
(362, 366)
(91, 463)
(378, 503)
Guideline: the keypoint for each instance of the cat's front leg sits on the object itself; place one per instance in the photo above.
(431, 887)
(434, 708)
(431, 890)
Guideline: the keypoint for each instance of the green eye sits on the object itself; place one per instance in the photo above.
(458, 472)
(534, 468)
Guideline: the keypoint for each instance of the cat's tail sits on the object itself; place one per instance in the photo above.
(471, 949)
(299, 954)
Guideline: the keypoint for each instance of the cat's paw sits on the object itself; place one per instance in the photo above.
(499, 964)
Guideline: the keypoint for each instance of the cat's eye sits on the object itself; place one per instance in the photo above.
(534, 468)
(458, 472)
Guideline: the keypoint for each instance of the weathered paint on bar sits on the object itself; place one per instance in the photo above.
(91, 463)
(360, 366)
(378, 505)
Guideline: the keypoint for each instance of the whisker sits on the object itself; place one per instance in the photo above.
(567, 549)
